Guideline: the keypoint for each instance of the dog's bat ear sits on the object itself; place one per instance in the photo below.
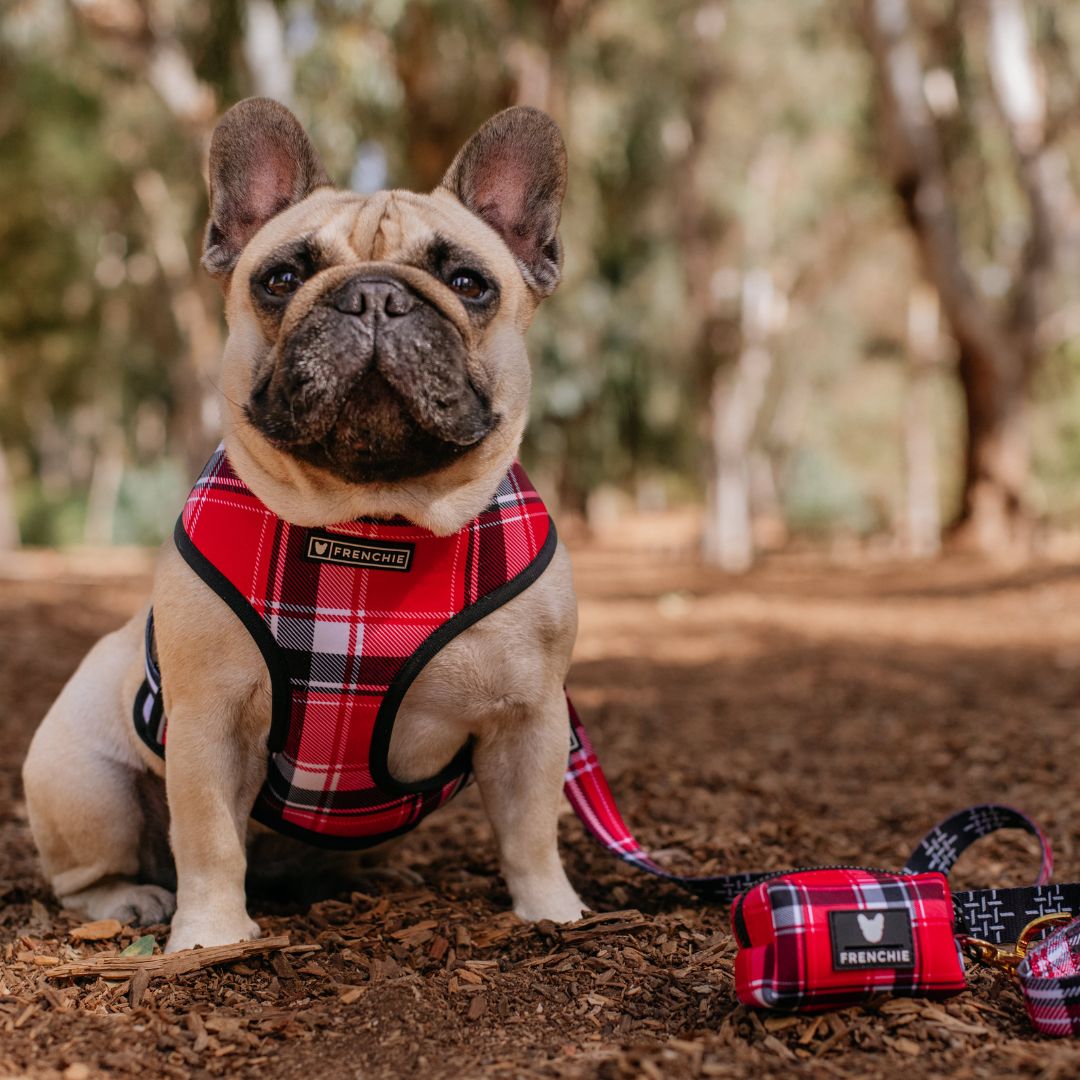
(261, 162)
(512, 175)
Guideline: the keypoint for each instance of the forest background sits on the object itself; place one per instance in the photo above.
(821, 270)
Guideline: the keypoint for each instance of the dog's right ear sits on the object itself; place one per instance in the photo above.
(261, 162)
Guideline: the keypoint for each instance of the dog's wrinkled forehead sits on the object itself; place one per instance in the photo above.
(388, 227)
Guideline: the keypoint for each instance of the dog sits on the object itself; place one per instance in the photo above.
(374, 374)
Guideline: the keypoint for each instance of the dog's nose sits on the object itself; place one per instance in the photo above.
(372, 297)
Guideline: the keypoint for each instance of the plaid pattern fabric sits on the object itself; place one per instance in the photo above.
(1050, 980)
(344, 642)
(789, 952)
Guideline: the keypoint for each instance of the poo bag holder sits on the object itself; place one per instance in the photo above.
(828, 937)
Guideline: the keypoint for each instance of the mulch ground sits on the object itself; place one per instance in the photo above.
(807, 713)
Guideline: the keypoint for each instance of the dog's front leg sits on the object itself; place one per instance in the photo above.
(212, 778)
(519, 765)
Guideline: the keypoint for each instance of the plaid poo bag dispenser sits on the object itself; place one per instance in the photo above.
(819, 939)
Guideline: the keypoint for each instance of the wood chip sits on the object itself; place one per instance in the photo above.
(778, 1048)
(177, 963)
(904, 1045)
(139, 982)
(99, 930)
(198, 1030)
(574, 935)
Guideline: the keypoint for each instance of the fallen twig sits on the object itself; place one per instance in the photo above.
(177, 963)
(608, 922)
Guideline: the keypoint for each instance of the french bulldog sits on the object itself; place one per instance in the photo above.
(375, 368)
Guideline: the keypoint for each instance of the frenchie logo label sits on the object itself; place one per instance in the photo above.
(880, 939)
(358, 552)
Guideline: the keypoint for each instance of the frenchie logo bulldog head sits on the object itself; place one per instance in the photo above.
(872, 927)
(378, 338)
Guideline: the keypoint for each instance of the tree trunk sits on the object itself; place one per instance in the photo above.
(156, 53)
(994, 516)
(272, 73)
(9, 521)
(922, 534)
(99, 528)
(994, 363)
(196, 418)
(738, 392)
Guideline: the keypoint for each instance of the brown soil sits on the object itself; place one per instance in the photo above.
(807, 713)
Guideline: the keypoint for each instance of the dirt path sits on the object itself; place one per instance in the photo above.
(804, 714)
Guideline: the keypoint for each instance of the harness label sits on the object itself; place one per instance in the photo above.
(880, 939)
(355, 551)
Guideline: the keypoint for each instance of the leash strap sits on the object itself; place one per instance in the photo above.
(994, 915)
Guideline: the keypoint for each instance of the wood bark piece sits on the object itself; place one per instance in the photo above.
(609, 922)
(99, 930)
(178, 963)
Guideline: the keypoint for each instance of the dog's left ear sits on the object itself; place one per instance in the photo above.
(512, 175)
(261, 162)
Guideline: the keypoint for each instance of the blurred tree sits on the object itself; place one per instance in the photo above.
(998, 344)
(733, 315)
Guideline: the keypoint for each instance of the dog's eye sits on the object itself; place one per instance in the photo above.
(469, 284)
(282, 282)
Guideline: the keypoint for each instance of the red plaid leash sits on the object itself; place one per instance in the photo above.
(1050, 973)
(1050, 980)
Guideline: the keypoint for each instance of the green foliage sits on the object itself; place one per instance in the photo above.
(88, 335)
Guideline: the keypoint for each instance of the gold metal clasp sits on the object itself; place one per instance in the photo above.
(1008, 957)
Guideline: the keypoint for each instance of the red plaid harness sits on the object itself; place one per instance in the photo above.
(346, 618)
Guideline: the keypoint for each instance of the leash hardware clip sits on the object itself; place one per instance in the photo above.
(1007, 958)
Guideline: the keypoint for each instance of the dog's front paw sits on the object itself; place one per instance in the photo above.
(140, 905)
(560, 905)
(187, 933)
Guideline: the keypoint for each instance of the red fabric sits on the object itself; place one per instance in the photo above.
(346, 633)
(1050, 980)
(788, 948)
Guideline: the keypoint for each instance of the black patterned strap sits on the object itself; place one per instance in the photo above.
(946, 842)
(998, 915)
(995, 915)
